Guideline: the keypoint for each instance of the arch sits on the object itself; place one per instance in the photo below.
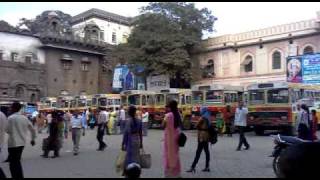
(276, 59)
(20, 91)
(247, 63)
(33, 98)
(308, 49)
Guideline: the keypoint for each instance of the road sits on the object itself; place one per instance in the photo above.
(225, 161)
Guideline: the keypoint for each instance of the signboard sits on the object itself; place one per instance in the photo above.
(158, 82)
(117, 83)
(304, 69)
(123, 79)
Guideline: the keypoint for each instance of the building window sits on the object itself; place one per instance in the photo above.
(28, 59)
(84, 66)
(33, 98)
(209, 69)
(101, 35)
(14, 57)
(66, 65)
(124, 38)
(114, 37)
(19, 92)
(248, 64)
(276, 60)
(308, 50)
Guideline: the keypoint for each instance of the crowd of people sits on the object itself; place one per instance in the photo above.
(133, 125)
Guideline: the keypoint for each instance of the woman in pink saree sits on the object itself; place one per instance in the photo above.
(171, 124)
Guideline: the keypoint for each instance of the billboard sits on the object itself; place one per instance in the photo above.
(304, 69)
(158, 82)
(123, 79)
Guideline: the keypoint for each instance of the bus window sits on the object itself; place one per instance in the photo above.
(124, 100)
(94, 101)
(149, 100)
(256, 97)
(134, 99)
(82, 103)
(144, 100)
(171, 97)
(197, 97)
(182, 99)
(159, 99)
(89, 103)
(214, 96)
(110, 102)
(188, 99)
(278, 96)
(116, 102)
(54, 104)
(102, 102)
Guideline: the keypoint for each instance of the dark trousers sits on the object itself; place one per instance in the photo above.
(202, 146)
(100, 134)
(122, 126)
(242, 139)
(2, 175)
(15, 154)
(228, 129)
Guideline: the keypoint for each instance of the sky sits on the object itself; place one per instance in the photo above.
(233, 17)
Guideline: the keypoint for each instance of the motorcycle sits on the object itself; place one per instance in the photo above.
(281, 144)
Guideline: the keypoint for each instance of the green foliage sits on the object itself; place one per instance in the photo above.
(164, 36)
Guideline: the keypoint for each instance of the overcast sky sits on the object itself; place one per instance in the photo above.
(233, 17)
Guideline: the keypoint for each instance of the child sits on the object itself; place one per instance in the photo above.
(220, 123)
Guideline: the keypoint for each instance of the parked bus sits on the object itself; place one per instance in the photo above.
(47, 104)
(109, 101)
(272, 106)
(66, 103)
(216, 98)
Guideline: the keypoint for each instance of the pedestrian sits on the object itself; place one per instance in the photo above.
(203, 140)
(67, 120)
(112, 121)
(40, 119)
(77, 123)
(314, 119)
(241, 123)
(172, 123)
(220, 123)
(102, 121)
(304, 124)
(49, 119)
(3, 126)
(17, 128)
(92, 119)
(122, 119)
(117, 124)
(145, 122)
(53, 141)
(132, 141)
(107, 122)
(297, 119)
(228, 120)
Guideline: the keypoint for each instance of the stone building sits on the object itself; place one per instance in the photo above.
(22, 72)
(51, 62)
(106, 26)
(258, 55)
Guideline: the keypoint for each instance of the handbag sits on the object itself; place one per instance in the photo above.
(182, 139)
(120, 161)
(145, 160)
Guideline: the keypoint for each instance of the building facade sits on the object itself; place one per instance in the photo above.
(22, 72)
(105, 26)
(256, 56)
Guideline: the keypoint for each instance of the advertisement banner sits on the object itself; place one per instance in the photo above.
(304, 69)
(158, 82)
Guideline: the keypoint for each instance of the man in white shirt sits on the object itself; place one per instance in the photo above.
(3, 125)
(145, 122)
(102, 122)
(17, 128)
(241, 122)
(78, 122)
(122, 119)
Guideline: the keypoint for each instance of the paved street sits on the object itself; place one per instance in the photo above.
(226, 162)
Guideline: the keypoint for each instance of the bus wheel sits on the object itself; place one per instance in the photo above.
(259, 131)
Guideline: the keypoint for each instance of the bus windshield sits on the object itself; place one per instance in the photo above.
(214, 96)
(94, 101)
(197, 97)
(159, 99)
(278, 96)
(73, 103)
(171, 97)
(134, 99)
(102, 102)
(256, 97)
(124, 100)
(82, 103)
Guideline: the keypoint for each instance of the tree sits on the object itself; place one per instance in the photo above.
(5, 26)
(164, 36)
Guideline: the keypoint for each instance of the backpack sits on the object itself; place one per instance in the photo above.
(213, 135)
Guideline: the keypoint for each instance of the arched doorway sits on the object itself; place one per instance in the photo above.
(20, 92)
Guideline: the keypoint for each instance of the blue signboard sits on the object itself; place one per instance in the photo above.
(123, 79)
(304, 69)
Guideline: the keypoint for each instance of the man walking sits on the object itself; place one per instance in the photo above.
(241, 123)
(3, 126)
(145, 122)
(122, 120)
(77, 123)
(102, 121)
(17, 128)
